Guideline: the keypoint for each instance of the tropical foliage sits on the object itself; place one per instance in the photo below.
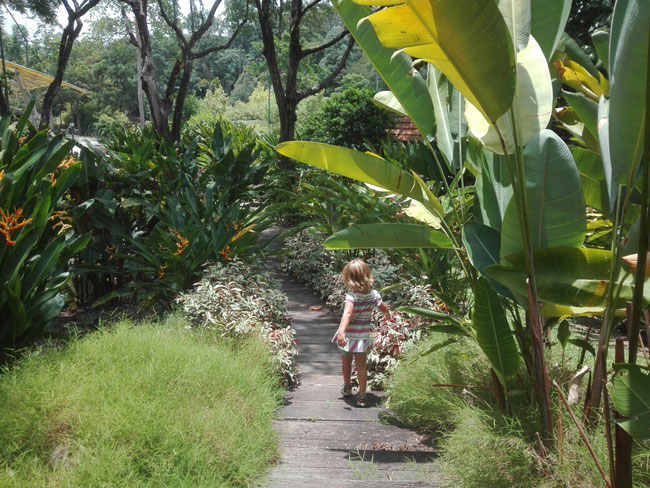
(529, 206)
(37, 236)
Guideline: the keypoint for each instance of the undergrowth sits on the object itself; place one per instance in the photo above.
(149, 405)
(481, 446)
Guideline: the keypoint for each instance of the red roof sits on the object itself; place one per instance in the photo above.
(404, 129)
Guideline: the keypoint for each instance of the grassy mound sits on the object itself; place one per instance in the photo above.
(147, 405)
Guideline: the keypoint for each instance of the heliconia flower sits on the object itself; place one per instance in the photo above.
(181, 244)
(2, 174)
(10, 222)
(67, 162)
(224, 252)
(161, 273)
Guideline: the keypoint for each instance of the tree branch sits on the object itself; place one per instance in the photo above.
(309, 7)
(327, 81)
(221, 47)
(129, 31)
(172, 80)
(306, 52)
(179, 33)
(207, 22)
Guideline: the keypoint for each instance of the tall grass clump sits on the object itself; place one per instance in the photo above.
(412, 394)
(487, 450)
(148, 405)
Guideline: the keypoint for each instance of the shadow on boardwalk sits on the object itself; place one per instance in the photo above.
(326, 441)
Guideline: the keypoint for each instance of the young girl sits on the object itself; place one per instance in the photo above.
(353, 335)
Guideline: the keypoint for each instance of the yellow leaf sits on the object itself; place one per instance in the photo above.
(243, 231)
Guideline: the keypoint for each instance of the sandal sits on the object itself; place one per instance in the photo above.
(346, 391)
(361, 402)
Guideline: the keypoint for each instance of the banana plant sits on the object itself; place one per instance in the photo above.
(36, 236)
(612, 125)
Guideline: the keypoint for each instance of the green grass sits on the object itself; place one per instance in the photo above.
(428, 407)
(147, 405)
(480, 446)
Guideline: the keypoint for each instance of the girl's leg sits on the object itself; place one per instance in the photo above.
(362, 374)
(346, 368)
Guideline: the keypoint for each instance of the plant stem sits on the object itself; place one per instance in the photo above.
(542, 384)
(642, 248)
(583, 435)
(608, 320)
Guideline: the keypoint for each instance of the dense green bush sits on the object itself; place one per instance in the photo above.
(153, 405)
(347, 119)
(159, 211)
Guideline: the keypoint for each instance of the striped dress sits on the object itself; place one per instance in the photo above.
(358, 331)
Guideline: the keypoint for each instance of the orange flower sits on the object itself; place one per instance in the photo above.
(2, 174)
(161, 273)
(10, 222)
(63, 221)
(53, 179)
(225, 252)
(67, 162)
(22, 139)
(181, 244)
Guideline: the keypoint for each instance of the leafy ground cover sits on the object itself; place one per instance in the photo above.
(240, 300)
(149, 405)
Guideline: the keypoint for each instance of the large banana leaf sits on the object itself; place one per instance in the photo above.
(482, 244)
(409, 88)
(628, 54)
(631, 395)
(586, 110)
(592, 179)
(437, 83)
(364, 167)
(548, 19)
(603, 142)
(600, 40)
(468, 41)
(388, 101)
(556, 208)
(493, 186)
(517, 16)
(534, 104)
(575, 277)
(493, 333)
(388, 236)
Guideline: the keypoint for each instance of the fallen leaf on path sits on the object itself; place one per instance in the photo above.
(316, 307)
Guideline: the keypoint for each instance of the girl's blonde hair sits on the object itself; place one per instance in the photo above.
(357, 276)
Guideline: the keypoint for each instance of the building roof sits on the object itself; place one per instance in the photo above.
(26, 79)
(404, 129)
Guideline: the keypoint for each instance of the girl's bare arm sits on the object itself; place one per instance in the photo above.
(343, 325)
(383, 308)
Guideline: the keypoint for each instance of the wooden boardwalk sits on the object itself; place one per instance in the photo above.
(326, 441)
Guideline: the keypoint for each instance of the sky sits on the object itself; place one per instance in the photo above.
(62, 16)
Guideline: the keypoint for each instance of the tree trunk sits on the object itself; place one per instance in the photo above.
(70, 33)
(181, 95)
(160, 109)
(139, 68)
